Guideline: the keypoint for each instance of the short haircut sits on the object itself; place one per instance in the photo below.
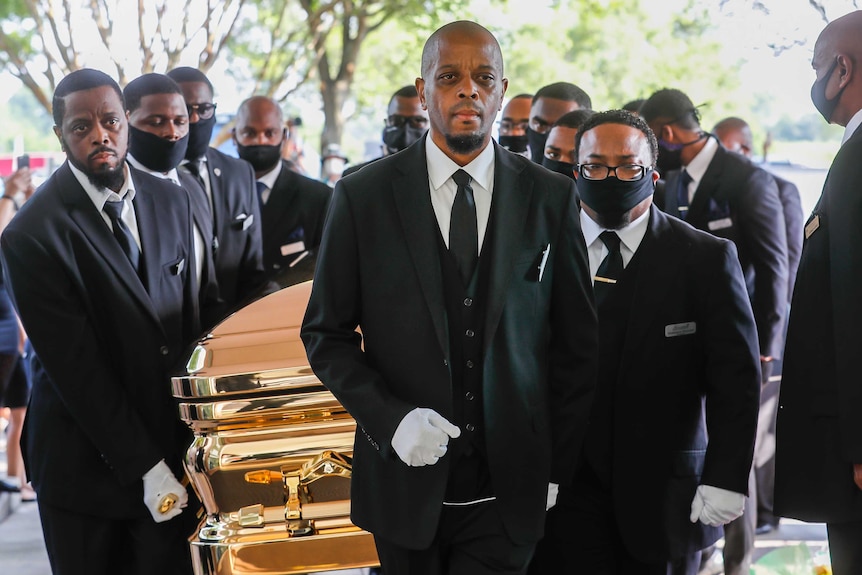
(406, 92)
(574, 119)
(634, 105)
(147, 85)
(730, 123)
(521, 97)
(188, 74)
(566, 92)
(623, 117)
(672, 104)
(79, 81)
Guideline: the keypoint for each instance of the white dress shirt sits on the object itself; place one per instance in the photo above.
(698, 165)
(205, 177)
(443, 187)
(268, 179)
(631, 237)
(854, 123)
(101, 195)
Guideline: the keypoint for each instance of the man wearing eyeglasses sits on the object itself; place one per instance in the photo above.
(230, 187)
(513, 125)
(677, 349)
(406, 122)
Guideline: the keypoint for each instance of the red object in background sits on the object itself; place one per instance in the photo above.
(37, 162)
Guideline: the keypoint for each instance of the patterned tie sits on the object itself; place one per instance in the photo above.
(611, 268)
(682, 194)
(463, 230)
(261, 188)
(123, 233)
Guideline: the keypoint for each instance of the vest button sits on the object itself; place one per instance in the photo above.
(469, 333)
(470, 363)
(468, 302)
(469, 427)
(164, 350)
(469, 396)
(446, 362)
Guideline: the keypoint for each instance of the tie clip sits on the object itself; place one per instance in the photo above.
(683, 208)
(604, 280)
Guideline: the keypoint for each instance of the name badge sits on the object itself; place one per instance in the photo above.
(721, 224)
(812, 226)
(178, 268)
(678, 329)
(288, 249)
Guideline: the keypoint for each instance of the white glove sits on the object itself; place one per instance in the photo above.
(553, 491)
(160, 483)
(422, 437)
(715, 506)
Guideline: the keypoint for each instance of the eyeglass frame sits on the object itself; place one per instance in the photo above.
(644, 170)
(414, 121)
(204, 111)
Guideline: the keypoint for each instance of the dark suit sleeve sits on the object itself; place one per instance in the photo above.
(330, 335)
(793, 217)
(766, 245)
(251, 272)
(56, 319)
(732, 371)
(573, 346)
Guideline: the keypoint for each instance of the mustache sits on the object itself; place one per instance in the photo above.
(466, 106)
(102, 150)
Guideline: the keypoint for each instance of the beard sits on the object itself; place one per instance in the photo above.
(466, 143)
(614, 220)
(106, 176)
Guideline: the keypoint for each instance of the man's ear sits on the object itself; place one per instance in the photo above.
(845, 70)
(59, 133)
(420, 88)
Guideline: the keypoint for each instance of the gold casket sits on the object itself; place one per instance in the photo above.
(272, 449)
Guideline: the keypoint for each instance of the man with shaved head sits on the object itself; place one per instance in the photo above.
(465, 269)
(818, 460)
(292, 207)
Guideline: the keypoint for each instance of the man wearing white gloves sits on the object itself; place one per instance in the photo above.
(667, 455)
(471, 382)
(100, 265)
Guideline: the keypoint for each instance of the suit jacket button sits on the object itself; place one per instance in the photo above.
(470, 364)
(164, 350)
(446, 362)
(469, 396)
(469, 333)
(469, 427)
(468, 302)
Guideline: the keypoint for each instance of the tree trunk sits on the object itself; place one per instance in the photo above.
(334, 94)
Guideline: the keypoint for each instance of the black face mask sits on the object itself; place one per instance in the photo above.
(613, 198)
(824, 105)
(516, 144)
(155, 152)
(537, 145)
(397, 138)
(200, 135)
(262, 158)
(669, 158)
(564, 168)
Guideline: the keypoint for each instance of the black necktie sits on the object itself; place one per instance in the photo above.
(611, 268)
(123, 234)
(682, 194)
(261, 188)
(194, 167)
(463, 230)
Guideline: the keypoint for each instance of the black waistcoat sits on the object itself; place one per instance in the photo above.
(465, 313)
(614, 316)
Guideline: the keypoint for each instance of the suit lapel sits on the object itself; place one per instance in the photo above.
(276, 216)
(510, 204)
(698, 214)
(659, 257)
(84, 214)
(219, 199)
(412, 196)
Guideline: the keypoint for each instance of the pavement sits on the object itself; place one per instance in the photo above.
(22, 549)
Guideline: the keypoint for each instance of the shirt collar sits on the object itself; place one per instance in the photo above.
(171, 175)
(698, 165)
(271, 176)
(101, 195)
(852, 125)
(630, 235)
(441, 167)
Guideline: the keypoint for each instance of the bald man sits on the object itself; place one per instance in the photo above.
(292, 207)
(818, 473)
(465, 268)
(513, 125)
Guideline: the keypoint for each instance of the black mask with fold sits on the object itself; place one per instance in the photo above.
(612, 199)
(200, 134)
(537, 144)
(564, 168)
(156, 153)
(262, 157)
(516, 144)
(397, 138)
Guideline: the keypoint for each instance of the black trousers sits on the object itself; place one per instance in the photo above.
(78, 543)
(845, 547)
(470, 540)
(581, 533)
(739, 535)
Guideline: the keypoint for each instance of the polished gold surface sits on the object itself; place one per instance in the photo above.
(167, 503)
(272, 454)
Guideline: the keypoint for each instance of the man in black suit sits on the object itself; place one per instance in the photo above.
(465, 269)
(292, 206)
(406, 122)
(548, 105)
(818, 460)
(669, 447)
(230, 187)
(100, 265)
(721, 193)
(735, 135)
